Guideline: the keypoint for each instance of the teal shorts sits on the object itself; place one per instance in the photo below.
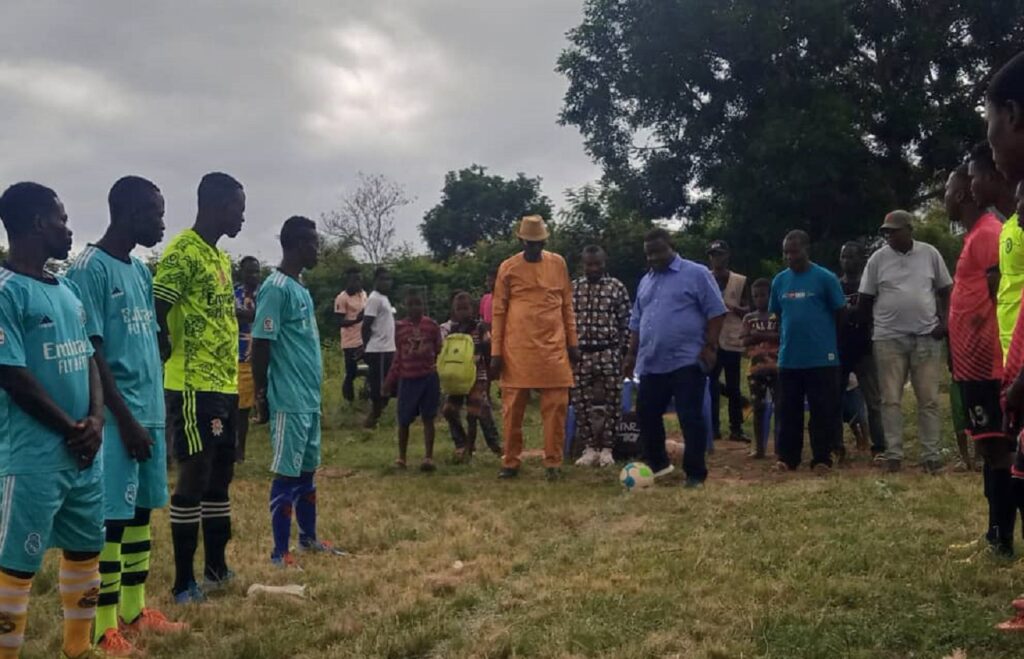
(295, 440)
(58, 509)
(129, 484)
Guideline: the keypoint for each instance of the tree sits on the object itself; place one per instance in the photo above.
(366, 217)
(780, 114)
(594, 215)
(478, 206)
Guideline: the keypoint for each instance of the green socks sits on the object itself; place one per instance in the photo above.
(135, 567)
(110, 583)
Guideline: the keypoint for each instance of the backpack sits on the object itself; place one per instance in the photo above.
(456, 366)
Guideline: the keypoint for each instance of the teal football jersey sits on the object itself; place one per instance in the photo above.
(118, 299)
(42, 328)
(286, 317)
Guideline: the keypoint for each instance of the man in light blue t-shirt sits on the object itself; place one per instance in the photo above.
(288, 372)
(808, 300)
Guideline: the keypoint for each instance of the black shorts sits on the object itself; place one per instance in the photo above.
(982, 410)
(418, 397)
(198, 420)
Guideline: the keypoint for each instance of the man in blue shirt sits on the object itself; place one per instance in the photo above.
(808, 300)
(287, 369)
(674, 328)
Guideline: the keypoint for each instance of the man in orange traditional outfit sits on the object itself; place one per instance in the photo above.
(533, 344)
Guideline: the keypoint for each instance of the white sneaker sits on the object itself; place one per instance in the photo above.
(664, 472)
(605, 459)
(588, 459)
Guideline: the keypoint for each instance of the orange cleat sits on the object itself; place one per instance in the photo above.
(113, 644)
(151, 620)
(1012, 625)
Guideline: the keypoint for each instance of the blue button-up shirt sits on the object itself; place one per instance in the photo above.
(671, 312)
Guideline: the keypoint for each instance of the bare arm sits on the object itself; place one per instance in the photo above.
(942, 311)
(136, 440)
(993, 282)
(26, 392)
(346, 322)
(260, 366)
(712, 332)
(164, 337)
(865, 303)
(95, 390)
(367, 329)
(744, 307)
(629, 363)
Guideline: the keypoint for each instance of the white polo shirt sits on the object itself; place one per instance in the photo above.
(904, 287)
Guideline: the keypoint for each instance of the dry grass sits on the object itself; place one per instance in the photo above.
(854, 565)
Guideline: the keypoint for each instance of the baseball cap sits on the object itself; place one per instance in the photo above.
(717, 246)
(898, 220)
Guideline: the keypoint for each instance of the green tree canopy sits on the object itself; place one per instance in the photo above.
(782, 114)
(478, 206)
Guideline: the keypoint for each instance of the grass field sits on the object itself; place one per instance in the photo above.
(852, 565)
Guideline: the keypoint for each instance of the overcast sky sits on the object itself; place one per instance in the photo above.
(292, 98)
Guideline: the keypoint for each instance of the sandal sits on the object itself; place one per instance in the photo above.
(427, 466)
(400, 463)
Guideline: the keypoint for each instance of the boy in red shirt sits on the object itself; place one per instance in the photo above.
(761, 338)
(414, 369)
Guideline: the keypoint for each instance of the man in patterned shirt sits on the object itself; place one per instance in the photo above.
(602, 322)
(195, 308)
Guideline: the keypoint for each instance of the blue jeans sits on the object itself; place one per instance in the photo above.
(686, 386)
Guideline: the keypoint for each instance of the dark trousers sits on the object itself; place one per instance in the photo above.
(686, 386)
(729, 363)
(821, 388)
(348, 391)
(380, 364)
(867, 379)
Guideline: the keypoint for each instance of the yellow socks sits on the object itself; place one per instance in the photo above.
(110, 585)
(13, 613)
(79, 593)
(135, 565)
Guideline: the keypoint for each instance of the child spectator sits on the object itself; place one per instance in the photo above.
(855, 412)
(761, 338)
(478, 406)
(414, 370)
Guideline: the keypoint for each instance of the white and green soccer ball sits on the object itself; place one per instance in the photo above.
(636, 476)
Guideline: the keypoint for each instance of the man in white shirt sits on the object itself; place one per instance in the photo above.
(905, 287)
(379, 338)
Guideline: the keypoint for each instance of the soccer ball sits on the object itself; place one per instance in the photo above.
(636, 476)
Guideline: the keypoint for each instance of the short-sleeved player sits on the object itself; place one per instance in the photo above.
(288, 371)
(42, 328)
(118, 299)
(51, 421)
(117, 292)
(195, 307)
(285, 316)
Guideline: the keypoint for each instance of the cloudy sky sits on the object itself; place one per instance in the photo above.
(293, 98)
